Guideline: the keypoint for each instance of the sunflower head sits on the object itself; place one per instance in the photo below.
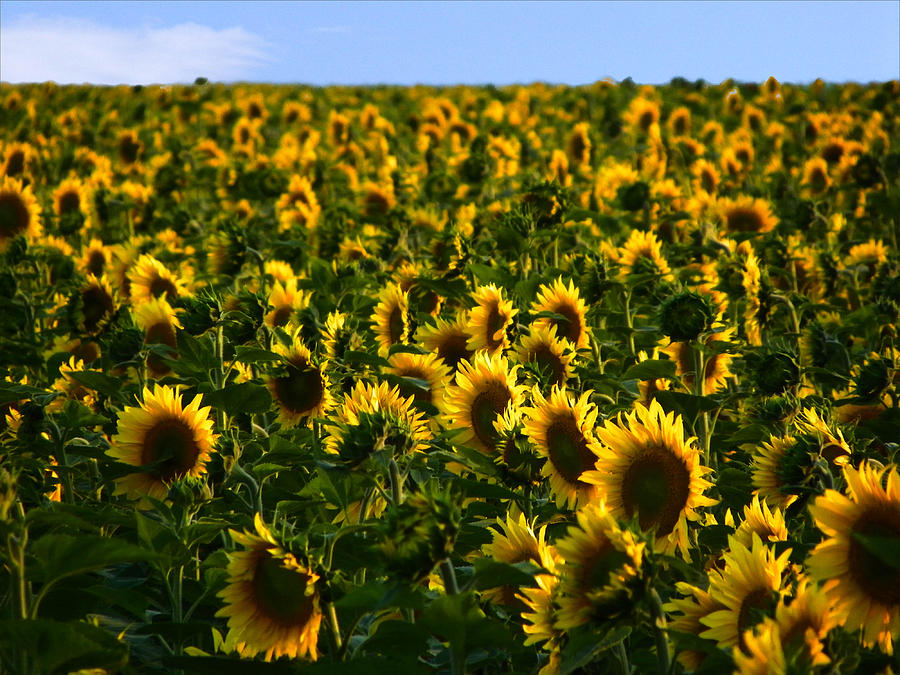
(163, 437)
(565, 301)
(686, 315)
(648, 470)
(271, 601)
(299, 387)
(20, 212)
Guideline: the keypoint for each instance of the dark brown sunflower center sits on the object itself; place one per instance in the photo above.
(96, 304)
(454, 349)
(876, 577)
(646, 119)
(128, 150)
(708, 181)
(679, 125)
(162, 286)
(817, 179)
(69, 203)
(578, 148)
(408, 389)
(753, 607)
(550, 363)
(493, 329)
(160, 333)
(14, 216)
(744, 220)
(743, 155)
(281, 592)
(396, 325)
(170, 444)
(489, 403)
(656, 486)
(15, 163)
(96, 263)
(832, 153)
(570, 327)
(568, 449)
(301, 390)
(376, 203)
(281, 315)
(600, 565)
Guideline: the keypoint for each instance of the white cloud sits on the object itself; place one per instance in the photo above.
(66, 50)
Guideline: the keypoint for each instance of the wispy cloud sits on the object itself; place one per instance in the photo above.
(328, 29)
(67, 50)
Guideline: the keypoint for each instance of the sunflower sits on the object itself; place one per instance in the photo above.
(746, 214)
(861, 584)
(285, 301)
(679, 122)
(428, 368)
(694, 604)
(579, 145)
(490, 319)
(753, 578)
(167, 440)
(20, 212)
(516, 542)
(391, 319)
(298, 205)
(96, 304)
(271, 600)
(485, 386)
(768, 524)
(807, 619)
(148, 278)
(648, 389)
(372, 417)
(776, 467)
(642, 114)
(566, 301)
(815, 177)
(641, 254)
(300, 390)
(562, 429)
(129, 148)
(763, 651)
(705, 176)
(716, 372)
(159, 321)
(551, 354)
(69, 387)
(96, 258)
(646, 468)
(600, 560)
(539, 619)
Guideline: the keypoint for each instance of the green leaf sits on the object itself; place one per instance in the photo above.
(352, 357)
(235, 399)
(99, 382)
(62, 555)
(198, 352)
(10, 393)
(492, 275)
(256, 355)
(223, 665)
(61, 647)
(491, 574)
(459, 620)
(885, 548)
(584, 646)
(651, 370)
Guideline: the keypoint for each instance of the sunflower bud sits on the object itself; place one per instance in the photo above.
(190, 491)
(775, 373)
(866, 171)
(873, 378)
(635, 196)
(419, 533)
(686, 315)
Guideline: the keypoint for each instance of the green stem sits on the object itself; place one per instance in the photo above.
(448, 574)
(396, 483)
(629, 321)
(335, 626)
(659, 632)
(699, 370)
(622, 658)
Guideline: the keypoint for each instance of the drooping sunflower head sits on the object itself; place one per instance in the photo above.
(373, 418)
(391, 321)
(167, 439)
(564, 300)
(552, 356)
(484, 387)
(830, 438)
(20, 213)
(768, 524)
(648, 469)
(778, 467)
(339, 335)
(490, 320)
(448, 339)
(562, 430)
(158, 320)
(299, 388)
(271, 600)
(600, 562)
(514, 542)
(862, 585)
(149, 278)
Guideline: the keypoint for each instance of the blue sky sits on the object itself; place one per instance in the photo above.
(447, 42)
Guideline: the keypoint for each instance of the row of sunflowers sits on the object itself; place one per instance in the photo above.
(466, 380)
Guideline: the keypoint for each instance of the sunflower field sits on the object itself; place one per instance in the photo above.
(527, 379)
